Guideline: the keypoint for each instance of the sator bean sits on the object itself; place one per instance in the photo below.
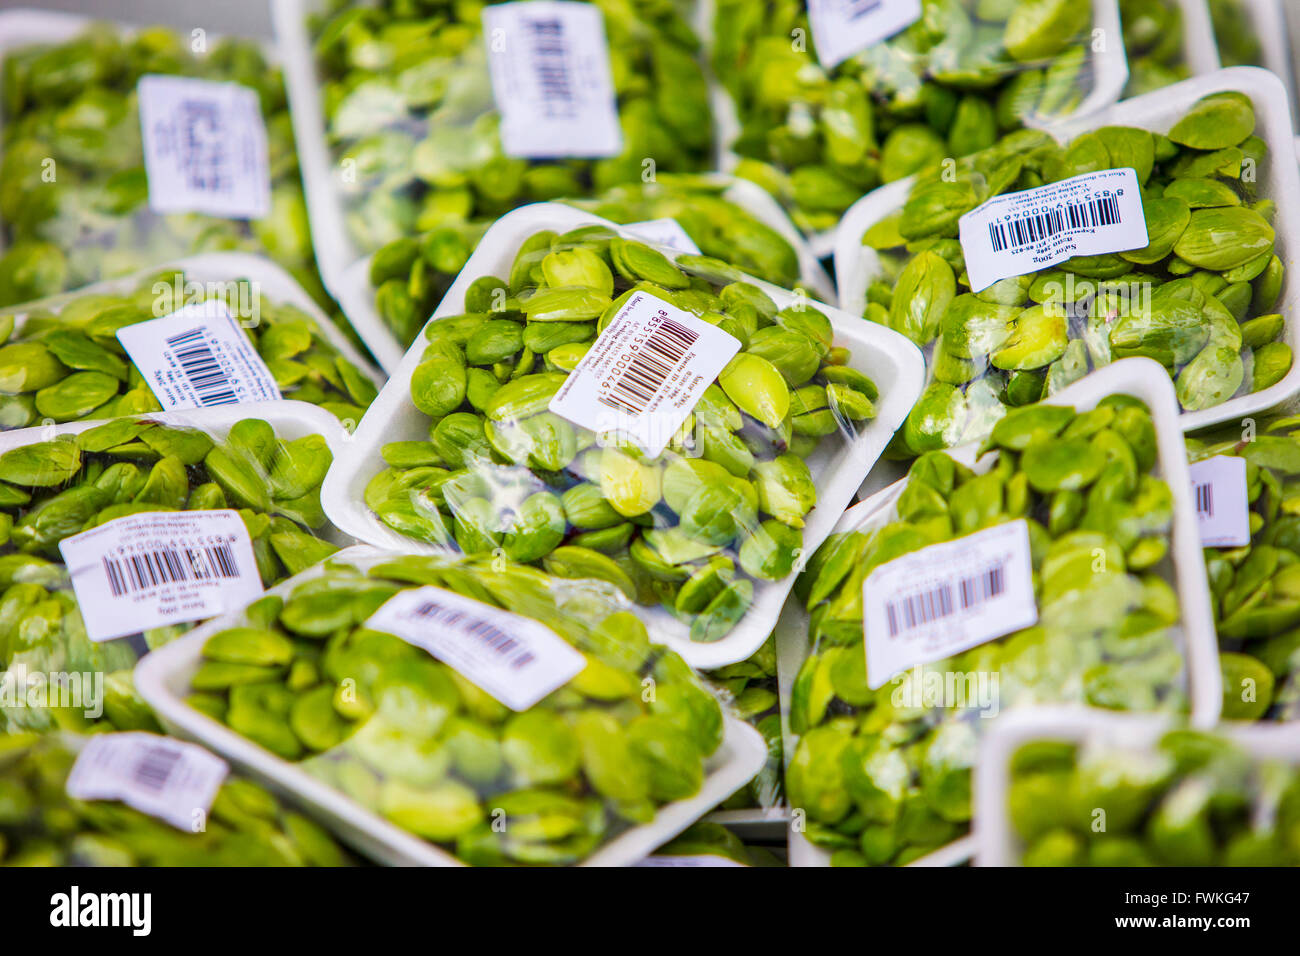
(411, 275)
(414, 740)
(74, 195)
(946, 86)
(40, 825)
(1198, 299)
(50, 490)
(1255, 588)
(883, 776)
(61, 360)
(692, 529)
(1192, 799)
(415, 131)
(754, 698)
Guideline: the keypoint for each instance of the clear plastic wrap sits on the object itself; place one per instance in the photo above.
(409, 276)
(42, 826)
(1202, 297)
(61, 481)
(1256, 610)
(884, 775)
(1093, 789)
(75, 200)
(946, 86)
(413, 131)
(696, 505)
(61, 359)
(379, 685)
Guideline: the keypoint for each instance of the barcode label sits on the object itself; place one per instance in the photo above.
(198, 357)
(842, 28)
(138, 572)
(173, 781)
(147, 570)
(1222, 506)
(667, 233)
(516, 660)
(947, 598)
(1019, 233)
(1102, 211)
(644, 374)
(917, 610)
(551, 79)
(204, 147)
(201, 368)
(635, 386)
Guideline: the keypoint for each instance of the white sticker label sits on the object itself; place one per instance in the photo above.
(198, 357)
(163, 777)
(516, 660)
(644, 373)
(947, 598)
(1019, 233)
(707, 859)
(204, 147)
(663, 232)
(551, 79)
(842, 28)
(1219, 490)
(160, 567)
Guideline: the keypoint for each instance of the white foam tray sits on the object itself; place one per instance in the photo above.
(1270, 22)
(1200, 51)
(163, 677)
(996, 842)
(357, 296)
(290, 420)
(1136, 377)
(274, 283)
(1110, 73)
(857, 265)
(892, 362)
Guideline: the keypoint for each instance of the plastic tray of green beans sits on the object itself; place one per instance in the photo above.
(390, 294)
(714, 597)
(40, 825)
(420, 766)
(1231, 257)
(818, 140)
(74, 208)
(61, 480)
(873, 777)
(399, 130)
(1059, 787)
(1166, 41)
(1256, 605)
(60, 359)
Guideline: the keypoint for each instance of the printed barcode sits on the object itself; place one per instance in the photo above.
(137, 572)
(155, 767)
(551, 64)
(489, 634)
(1205, 500)
(650, 367)
(202, 370)
(857, 9)
(202, 147)
(915, 610)
(1102, 211)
